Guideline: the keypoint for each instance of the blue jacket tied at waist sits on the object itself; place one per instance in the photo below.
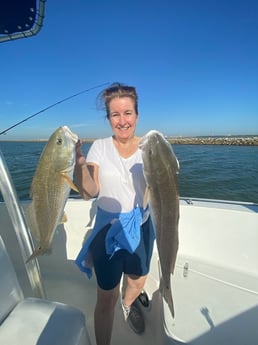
(124, 233)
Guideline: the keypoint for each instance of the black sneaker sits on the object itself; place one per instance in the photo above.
(135, 319)
(144, 299)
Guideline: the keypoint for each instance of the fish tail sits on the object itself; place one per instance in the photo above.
(38, 251)
(167, 295)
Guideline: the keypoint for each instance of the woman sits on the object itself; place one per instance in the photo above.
(122, 238)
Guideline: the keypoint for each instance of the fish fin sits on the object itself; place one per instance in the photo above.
(33, 256)
(178, 166)
(146, 197)
(39, 250)
(31, 221)
(70, 182)
(167, 295)
(64, 218)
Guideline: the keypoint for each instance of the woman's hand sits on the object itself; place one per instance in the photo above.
(80, 158)
(84, 175)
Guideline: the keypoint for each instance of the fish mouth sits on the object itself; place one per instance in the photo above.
(145, 139)
(73, 136)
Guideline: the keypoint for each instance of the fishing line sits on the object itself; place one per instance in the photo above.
(51, 106)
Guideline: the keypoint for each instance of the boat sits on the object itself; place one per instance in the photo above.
(214, 286)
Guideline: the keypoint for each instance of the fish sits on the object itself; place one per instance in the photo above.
(161, 168)
(50, 188)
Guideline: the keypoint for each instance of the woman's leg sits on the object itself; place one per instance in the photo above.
(133, 289)
(131, 309)
(104, 314)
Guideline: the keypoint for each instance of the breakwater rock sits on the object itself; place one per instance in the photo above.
(245, 141)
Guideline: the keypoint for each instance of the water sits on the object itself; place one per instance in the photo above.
(206, 171)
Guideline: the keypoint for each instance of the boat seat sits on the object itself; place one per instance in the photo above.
(35, 321)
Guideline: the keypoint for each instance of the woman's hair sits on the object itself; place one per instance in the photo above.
(118, 90)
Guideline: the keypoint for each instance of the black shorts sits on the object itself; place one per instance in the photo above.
(109, 270)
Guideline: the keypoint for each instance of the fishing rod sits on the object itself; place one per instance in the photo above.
(51, 106)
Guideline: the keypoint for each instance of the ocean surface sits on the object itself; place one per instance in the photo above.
(206, 171)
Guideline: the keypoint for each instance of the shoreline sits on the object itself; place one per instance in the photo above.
(237, 140)
(216, 140)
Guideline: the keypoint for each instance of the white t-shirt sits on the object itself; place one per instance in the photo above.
(121, 180)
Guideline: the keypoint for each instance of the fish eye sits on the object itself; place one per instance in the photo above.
(59, 141)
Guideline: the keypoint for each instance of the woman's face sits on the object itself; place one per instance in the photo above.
(122, 117)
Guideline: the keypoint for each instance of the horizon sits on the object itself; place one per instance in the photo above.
(88, 139)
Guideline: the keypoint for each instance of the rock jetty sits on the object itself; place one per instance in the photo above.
(245, 141)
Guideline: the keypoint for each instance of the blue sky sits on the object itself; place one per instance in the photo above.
(193, 62)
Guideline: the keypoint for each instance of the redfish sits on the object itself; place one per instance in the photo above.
(50, 187)
(161, 168)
